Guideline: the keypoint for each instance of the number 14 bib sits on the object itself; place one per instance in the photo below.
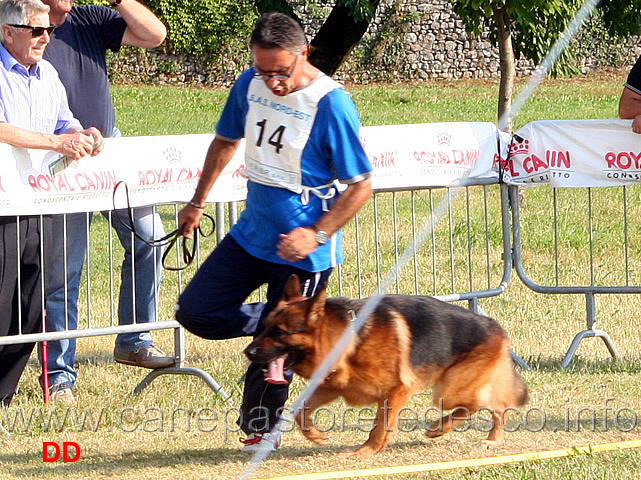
(277, 130)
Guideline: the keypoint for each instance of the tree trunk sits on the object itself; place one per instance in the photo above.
(507, 67)
(336, 38)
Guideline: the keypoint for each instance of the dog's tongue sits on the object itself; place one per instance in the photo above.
(275, 371)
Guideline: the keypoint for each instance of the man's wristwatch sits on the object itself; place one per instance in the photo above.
(115, 3)
(321, 236)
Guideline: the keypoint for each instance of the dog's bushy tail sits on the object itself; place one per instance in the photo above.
(510, 386)
(519, 388)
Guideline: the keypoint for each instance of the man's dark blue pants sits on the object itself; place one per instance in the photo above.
(212, 307)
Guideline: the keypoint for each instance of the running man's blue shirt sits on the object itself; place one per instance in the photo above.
(332, 151)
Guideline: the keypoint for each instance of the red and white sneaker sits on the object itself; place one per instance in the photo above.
(264, 442)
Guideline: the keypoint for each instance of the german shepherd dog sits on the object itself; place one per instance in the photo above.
(408, 343)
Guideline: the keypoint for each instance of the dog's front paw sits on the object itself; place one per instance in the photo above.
(489, 444)
(363, 452)
(316, 437)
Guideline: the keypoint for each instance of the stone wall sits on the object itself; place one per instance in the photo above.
(409, 40)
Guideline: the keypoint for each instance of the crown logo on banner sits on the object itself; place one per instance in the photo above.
(239, 172)
(522, 147)
(443, 138)
(172, 155)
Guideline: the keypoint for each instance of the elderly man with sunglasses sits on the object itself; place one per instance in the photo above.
(33, 114)
(302, 135)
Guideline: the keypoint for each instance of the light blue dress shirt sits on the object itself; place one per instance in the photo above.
(33, 99)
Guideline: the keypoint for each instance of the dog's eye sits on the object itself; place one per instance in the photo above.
(280, 333)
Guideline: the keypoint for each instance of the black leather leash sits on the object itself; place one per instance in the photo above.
(169, 240)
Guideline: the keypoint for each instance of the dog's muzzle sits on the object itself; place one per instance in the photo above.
(251, 351)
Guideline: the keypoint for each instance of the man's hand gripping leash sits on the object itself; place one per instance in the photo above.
(188, 244)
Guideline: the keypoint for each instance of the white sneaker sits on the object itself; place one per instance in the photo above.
(264, 442)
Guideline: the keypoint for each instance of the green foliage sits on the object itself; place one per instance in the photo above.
(621, 17)
(89, 2)
(535, 24)
(282, 6)
(361, 10)
(602, 46)
(384, 51)
(208, 27)
(205, 27)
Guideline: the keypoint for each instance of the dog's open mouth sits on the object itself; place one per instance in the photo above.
(276, 370)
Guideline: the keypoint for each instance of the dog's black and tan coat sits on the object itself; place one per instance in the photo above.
(408, 343)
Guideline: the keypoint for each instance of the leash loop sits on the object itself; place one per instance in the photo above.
(187, 247)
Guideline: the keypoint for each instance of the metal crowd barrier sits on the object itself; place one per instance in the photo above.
(98, 299)
(456, 262)
(574, 220)
(464, 242)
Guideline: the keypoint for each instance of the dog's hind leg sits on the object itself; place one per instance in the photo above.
(485, 382)
(461, 414)
(496, 433)
(448, 422)
(304, 416)
(509, 391)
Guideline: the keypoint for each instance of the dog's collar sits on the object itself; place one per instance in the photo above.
(330, 375)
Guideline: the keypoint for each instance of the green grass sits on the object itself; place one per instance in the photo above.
(136, 437)
(148, 110)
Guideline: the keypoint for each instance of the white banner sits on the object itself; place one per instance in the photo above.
(165, 169)
(431, 154)
(155, 170)
(575, 153)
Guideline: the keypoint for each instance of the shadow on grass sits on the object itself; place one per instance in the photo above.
(31, 465)
(95, 464)
(580, 365)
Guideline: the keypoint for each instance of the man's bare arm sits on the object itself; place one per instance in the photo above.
(219, 154)
(629, 104)
(347, 205)
(301, 241)
(144, 29)
(630, 108)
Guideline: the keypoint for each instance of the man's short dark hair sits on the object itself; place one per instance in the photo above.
(276, 30)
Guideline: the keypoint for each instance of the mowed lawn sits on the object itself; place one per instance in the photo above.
(178, 428)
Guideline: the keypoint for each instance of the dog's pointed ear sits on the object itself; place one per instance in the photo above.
(317, 305)
(292, 288)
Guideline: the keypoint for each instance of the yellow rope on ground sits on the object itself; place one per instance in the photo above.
(475, 462)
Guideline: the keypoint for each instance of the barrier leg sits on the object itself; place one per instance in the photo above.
(183, 371)
(590, 332)
(519, 361)
(180, 369)
(44, 355)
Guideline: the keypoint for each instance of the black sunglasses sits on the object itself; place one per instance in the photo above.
(278, 76)
(36, 31)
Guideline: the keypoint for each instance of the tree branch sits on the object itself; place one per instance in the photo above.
(337, 38)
